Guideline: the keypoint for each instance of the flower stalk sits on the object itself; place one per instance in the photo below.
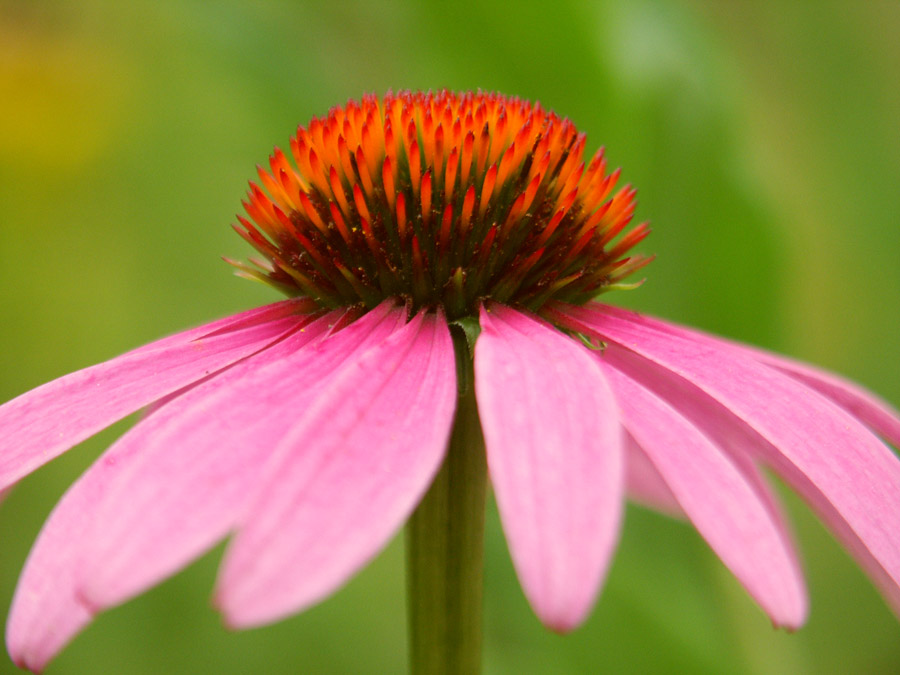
(445, 547)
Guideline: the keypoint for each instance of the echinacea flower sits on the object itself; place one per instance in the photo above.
(426, 241)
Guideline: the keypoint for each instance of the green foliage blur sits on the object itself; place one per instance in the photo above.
(763, 139)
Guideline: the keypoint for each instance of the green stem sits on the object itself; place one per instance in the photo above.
(445, 547)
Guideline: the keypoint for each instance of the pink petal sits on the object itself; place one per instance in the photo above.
(722, 504)
(46, 612)
(44, 422)
(346, 478)
(644, 485)
(202, 456)
(48, 608)
(245, 319)
(878, 414)
(862, 404)
(554, 450)
(122, 526)
(42, 621)
(846, 474)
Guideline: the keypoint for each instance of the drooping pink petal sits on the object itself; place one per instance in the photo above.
(167, 490)
(44, 422)
(727, 434)
(554, 449)
(719, 500)
(46, 613)
(346, 478)
(846, 474)
(245, 319)
(869, 408)
(201, 457)
(644, 485)
(864, 405)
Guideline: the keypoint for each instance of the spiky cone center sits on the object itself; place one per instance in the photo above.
(446, 200)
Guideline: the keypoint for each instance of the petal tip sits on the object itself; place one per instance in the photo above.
(789, 626)
(25, 661)
(563, 622)
(230, 622)
(237, 607)
(791, 619)
(219, 603)
(237, 616)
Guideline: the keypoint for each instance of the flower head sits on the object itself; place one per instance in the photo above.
(446, 200)
(309, 429)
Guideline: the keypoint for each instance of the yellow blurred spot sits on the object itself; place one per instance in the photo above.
(64, 98)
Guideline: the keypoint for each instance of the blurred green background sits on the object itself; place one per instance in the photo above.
(764, 141)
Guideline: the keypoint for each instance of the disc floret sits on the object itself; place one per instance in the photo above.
(443, 199)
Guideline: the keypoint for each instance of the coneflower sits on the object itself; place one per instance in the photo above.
(443, 254)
